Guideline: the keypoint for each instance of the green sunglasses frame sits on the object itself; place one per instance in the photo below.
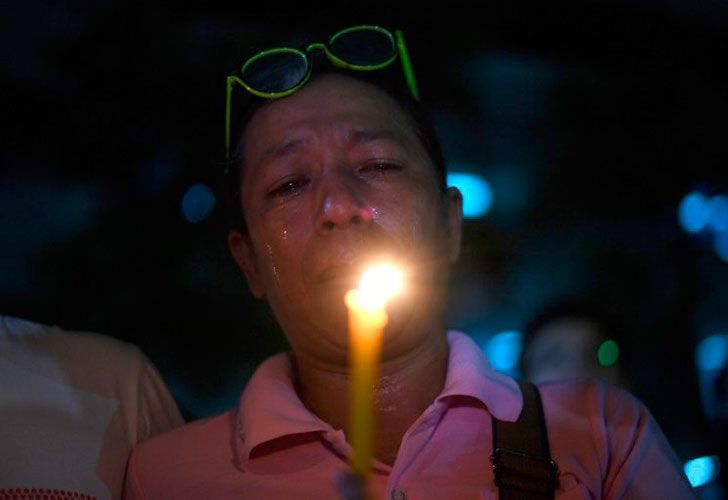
(397, 41)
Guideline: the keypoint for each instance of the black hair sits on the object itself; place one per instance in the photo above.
(386, 80)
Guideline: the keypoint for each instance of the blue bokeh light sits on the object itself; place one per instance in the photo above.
(477, 193)
(694, 212)
(712, 353)
(719, 213)
(721, 245)
(702, 470)
(503, 350)
(198, 203)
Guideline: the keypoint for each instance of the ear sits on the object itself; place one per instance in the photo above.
(454, 214)
(241, 248)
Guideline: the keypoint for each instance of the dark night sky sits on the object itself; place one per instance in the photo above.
(591, 120)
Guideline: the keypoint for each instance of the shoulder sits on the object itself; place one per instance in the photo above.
(92, 348)
(591, 410)
(589, 398)
(201, 446)
(91, 361)
(199, 435)
(95, 364)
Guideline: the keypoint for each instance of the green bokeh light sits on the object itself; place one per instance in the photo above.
(608, 353)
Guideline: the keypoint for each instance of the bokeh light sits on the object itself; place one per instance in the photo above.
(198, 203)
(702, 470)
(477, 193)
(718, 213)
(694, 212)
(712, 353)
(503, 350)
(608, 353)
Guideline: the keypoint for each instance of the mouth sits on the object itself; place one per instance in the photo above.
(347, 262)
(340, 276)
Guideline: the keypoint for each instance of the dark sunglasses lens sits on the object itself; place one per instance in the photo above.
(362, 47)
(276, 71)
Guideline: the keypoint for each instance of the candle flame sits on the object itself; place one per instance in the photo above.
(378, 284)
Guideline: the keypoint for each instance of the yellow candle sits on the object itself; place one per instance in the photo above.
(367, 319)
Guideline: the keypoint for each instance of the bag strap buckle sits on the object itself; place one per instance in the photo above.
(524, 471)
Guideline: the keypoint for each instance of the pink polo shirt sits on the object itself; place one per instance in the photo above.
(606, 443)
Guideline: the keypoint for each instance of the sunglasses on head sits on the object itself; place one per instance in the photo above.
(281, 71)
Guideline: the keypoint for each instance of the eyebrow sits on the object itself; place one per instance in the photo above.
(364, 135)
(286, 148)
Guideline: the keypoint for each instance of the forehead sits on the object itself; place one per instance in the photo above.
(328, 101)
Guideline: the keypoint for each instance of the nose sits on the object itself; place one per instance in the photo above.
(342, 205)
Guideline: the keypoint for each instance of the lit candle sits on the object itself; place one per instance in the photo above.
(367, 319)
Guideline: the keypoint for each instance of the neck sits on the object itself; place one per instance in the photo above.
(408, 383)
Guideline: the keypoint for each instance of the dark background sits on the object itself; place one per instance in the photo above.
(591, 121)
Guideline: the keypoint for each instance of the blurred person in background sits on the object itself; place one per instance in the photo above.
(72, 407)
(571, 339)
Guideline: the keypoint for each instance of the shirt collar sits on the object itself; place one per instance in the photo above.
(469, 374)
(270, 408)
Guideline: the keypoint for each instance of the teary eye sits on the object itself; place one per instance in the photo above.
(288, 188)
(379, 167)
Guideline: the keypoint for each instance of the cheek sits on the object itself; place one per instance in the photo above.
(416, 220)
(278, 243)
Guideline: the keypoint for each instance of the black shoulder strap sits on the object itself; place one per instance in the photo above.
(521, 459)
